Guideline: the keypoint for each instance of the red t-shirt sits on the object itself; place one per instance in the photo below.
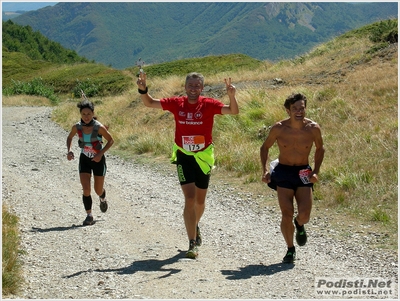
(193, 122)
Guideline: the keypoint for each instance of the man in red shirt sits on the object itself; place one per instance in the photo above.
(193, 150)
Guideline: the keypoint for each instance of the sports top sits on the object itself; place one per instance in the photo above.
(91, 143)
(193, 122)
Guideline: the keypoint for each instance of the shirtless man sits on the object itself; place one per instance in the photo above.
(293, 178)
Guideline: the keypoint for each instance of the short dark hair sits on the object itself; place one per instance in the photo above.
(293, 98)
(85, 104)
(195, 75)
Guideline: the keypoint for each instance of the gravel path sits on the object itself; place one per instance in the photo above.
(136, 249)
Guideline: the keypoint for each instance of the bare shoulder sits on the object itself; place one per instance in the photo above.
(314, 128)
(73, 131)
(280, 124)
(103, 129)
(311, 124)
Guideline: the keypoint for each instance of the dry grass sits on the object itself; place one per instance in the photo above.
(353, 96)
(11, 264)
(25, 100)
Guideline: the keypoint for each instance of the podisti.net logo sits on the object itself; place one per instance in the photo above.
(355, 287)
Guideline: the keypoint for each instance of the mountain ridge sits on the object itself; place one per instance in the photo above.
(117, 34)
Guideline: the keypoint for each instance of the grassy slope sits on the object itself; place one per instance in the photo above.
(352, 91)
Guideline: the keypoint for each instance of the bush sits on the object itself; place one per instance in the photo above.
(89, 87)
(34, 87)
(385, 31)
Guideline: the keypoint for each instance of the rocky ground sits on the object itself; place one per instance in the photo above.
(136, 249)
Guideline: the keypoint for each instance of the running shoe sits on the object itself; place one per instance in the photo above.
(301, 235)
(192, 252)
(103, 205)
(290, 257)
(88, 221)
(198, 237)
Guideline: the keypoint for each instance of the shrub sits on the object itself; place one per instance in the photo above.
(385, 31)
(34, 87)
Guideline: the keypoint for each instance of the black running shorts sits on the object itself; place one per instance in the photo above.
(190, 172)
(86, 165)
(290, 177)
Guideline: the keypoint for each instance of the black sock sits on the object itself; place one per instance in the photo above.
(87, 202)
(104, 194)
(292, 249)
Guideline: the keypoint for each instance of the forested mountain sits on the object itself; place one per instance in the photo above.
(17, 38)
(117, 34)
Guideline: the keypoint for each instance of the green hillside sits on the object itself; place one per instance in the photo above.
(32, 61)
(117, 34)
(33, 64)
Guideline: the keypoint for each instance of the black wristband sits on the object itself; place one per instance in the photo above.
(143, 92)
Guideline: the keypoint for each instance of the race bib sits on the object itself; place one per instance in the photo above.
(89, 151)
(303, 174)
(193, 143)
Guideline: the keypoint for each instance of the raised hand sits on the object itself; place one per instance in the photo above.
(230, 89)
(141, 82)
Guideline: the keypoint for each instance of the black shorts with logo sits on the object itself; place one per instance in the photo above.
(290, 177)
(189, 171)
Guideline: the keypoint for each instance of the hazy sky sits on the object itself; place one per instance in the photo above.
(26, 6)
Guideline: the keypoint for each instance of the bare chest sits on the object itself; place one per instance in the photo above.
(300, 140)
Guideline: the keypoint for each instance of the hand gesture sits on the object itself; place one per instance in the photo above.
(230, 89)
(141, 82)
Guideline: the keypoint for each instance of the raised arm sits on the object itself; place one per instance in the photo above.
(148, 101)
(233, 107)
